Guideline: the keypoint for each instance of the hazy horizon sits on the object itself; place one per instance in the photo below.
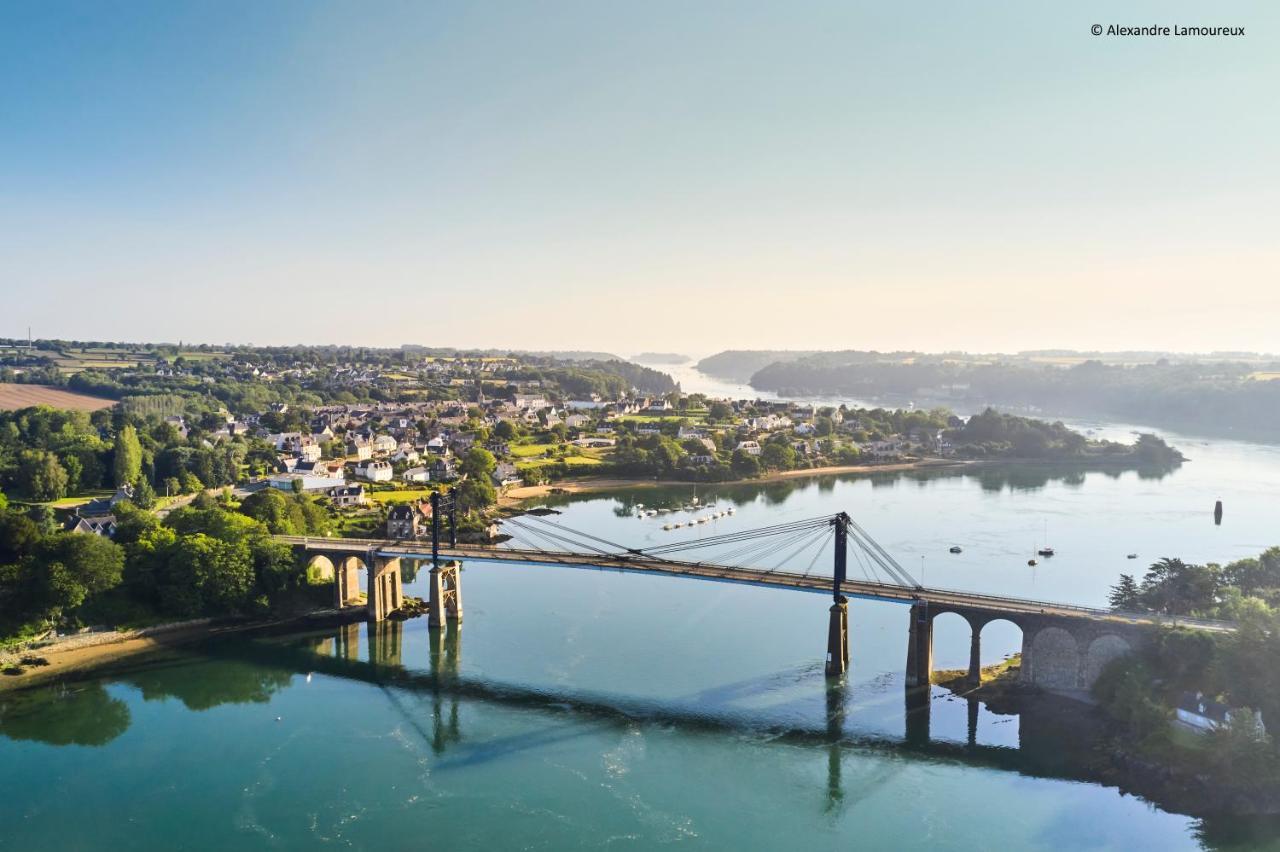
(988, 178)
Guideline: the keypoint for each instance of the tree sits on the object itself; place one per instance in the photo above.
(127, 464)
(475, 494)
(67, 567)
(824, 426)
(719, 410)
(478, 463)
(1124, 594)
(144, 495)
(778, 456)
(41, 476)
(744, 464)
(280, 514)
(506, 430)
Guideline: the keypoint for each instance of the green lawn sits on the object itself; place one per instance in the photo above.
(524, 451)
(402, 496)
(571, 461)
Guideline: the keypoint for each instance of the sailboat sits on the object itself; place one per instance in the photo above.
(1032, 561)
(1046, 550)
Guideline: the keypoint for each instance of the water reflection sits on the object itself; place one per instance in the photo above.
(990, 477)
(83, 714)
(1053, 741)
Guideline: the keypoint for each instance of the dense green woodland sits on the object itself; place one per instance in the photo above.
(1141, 690)
(47, 454)
(1222, 397)
(204, 559)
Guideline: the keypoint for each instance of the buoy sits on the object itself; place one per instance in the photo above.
(1217, 513)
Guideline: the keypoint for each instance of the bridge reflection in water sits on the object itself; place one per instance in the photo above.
(1049, 745)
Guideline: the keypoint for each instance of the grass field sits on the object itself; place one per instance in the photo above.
(24, 396)
(571, 461)
(403, 496)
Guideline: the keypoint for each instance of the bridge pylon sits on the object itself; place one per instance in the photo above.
(446, 594)
(838, 623)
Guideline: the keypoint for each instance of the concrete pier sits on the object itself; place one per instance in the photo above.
(838, 639)
(446, 594)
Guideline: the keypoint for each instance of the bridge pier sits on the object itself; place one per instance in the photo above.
(975, 654)
(920, 647)
(346, 581)
(385, 590)
(446, 594)
(838, 639)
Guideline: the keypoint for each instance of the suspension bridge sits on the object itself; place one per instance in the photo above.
(1064, 646)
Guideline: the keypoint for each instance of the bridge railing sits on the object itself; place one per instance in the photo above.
(799, 580)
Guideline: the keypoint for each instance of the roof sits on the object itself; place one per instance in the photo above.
(1196, 703)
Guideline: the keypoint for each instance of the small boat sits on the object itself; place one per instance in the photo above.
(1032, 563)
(729, 511)
(667, 527)
(955, 548)
(1045, 551)
(1132, 556)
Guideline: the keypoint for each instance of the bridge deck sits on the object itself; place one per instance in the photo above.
(750, 576)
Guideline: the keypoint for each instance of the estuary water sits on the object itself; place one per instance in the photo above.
(582, 709)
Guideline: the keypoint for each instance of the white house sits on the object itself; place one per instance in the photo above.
(751, 448)
(310, 482)
(374, 470)
(417, 474)
(384, 444)
(1201, 713)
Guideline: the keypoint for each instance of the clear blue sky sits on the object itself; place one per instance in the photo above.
(630, 176)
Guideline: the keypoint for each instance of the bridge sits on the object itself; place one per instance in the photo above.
(1064, 647)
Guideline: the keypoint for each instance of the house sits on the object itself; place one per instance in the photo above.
(438, 446)
(405, 453)
(417, 474)
(374, 470)
(806, 429)
(593, 442)
(695, 461)
(506, 474)
(347, 495)
(310, 482)
(403, 522)
(103, 505)
(530, 401)
(359, 447)
(751, 448)
(577, 421)
(384, 444)
(1201, 713)
(442, 470)
(103, 525)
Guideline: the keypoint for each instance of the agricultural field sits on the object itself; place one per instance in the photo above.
(23, 396)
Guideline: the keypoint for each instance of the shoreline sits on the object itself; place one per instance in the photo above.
(87, 652)
(588, 484)
(513, 497)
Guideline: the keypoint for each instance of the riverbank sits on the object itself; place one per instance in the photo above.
(41, 662)
(587, 485)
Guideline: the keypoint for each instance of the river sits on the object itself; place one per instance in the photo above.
(579, 709)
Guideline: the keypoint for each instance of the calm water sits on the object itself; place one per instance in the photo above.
(582, 709)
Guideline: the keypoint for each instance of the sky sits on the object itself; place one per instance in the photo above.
(627, 177)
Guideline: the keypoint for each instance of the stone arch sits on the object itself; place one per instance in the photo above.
(1055, 659)
(1103, 650)
(346, 581)
(952, 636)
(1000, 637)
(320, 567)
